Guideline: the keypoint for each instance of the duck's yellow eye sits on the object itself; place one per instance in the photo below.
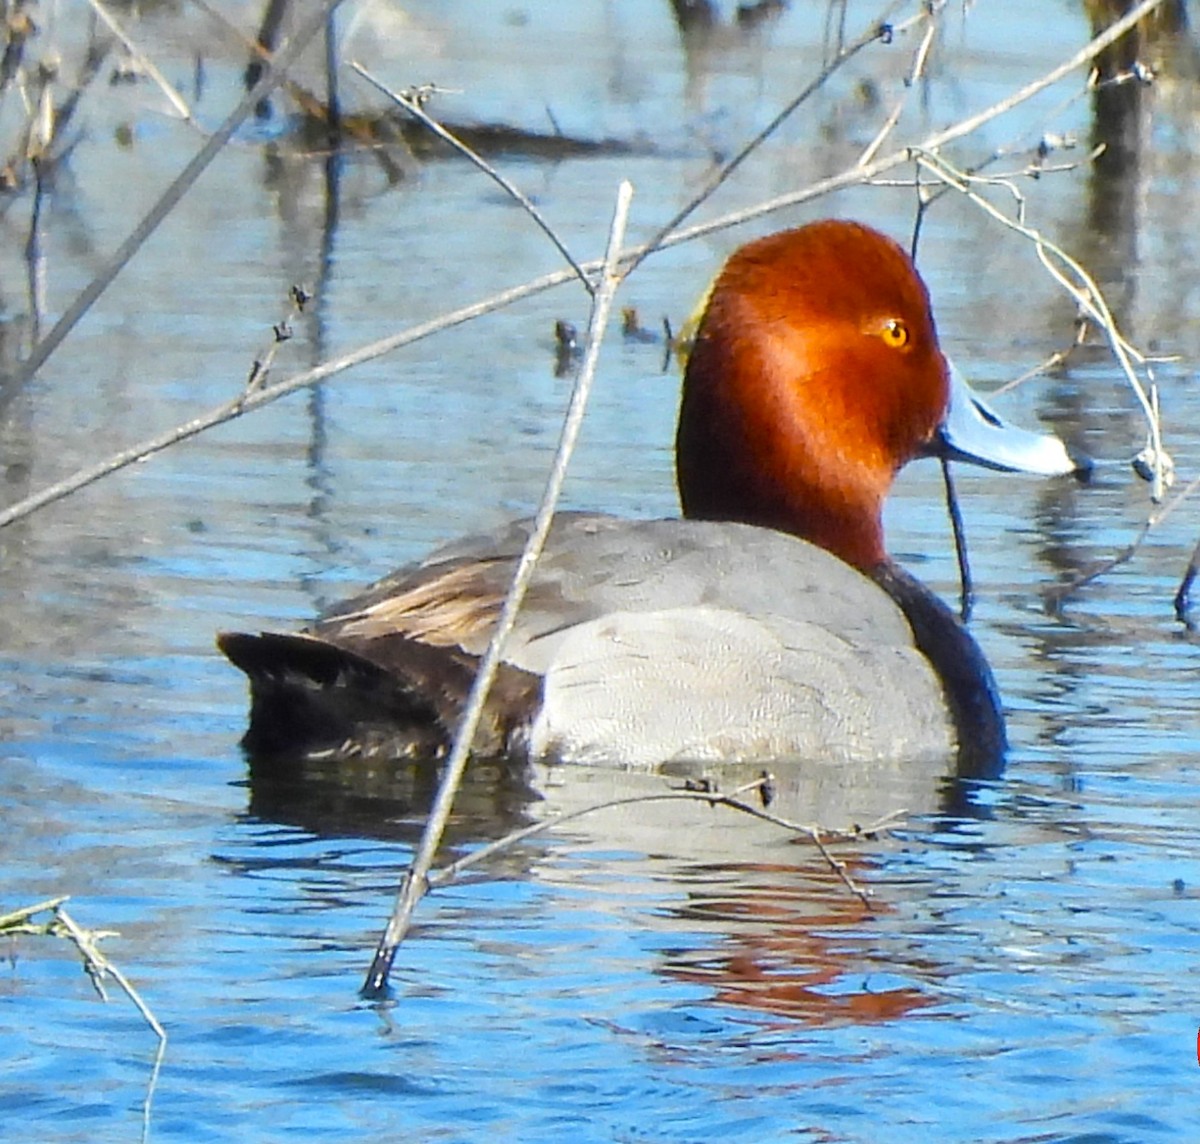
(894, 333)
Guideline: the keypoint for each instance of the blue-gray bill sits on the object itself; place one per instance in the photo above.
(974, 432)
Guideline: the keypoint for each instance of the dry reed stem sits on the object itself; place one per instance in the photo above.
(245, 403)
(414, 884)
(61, 924)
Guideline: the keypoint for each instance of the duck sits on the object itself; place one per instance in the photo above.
(768, 623)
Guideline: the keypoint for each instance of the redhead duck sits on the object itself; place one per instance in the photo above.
(768, 624)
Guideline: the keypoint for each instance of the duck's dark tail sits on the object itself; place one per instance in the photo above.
(310, 698)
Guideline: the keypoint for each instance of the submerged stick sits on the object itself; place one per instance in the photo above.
(415, 882)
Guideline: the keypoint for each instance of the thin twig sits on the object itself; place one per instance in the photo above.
(966, 598)
(143, 61)
(1056, 360)
(878, 31)
(260, 370)
(247, 402)
(924, 47)
(871, 171)
(815, 834)
(1091, 303)
(414, 884)
(920, 59)
(20, 917)
(171, 196)
(412, 103)
(97, 966)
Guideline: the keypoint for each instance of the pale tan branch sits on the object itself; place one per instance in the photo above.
(414, 884)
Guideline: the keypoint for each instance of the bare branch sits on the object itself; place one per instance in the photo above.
(865, 173)
(1087, 295)
(818, 835)
(97, 966)
(248, 401)
(920, 59)
(16, 920)
(878, 31)
(1055, 597)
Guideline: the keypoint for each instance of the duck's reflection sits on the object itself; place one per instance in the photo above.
(787, 945)
(758, 916)
(387, 800)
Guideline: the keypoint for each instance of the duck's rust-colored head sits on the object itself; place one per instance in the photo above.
(815, 375)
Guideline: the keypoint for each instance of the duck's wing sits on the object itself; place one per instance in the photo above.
(594, 565)
(452, 599)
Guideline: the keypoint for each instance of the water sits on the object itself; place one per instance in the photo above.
(1024, 973)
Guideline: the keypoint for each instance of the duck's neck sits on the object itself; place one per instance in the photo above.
(970, 688)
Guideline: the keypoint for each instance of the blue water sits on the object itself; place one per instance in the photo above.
(1026, 969)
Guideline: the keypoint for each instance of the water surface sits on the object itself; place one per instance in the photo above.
(1024, 972)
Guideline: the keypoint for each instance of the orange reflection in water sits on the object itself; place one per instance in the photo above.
(792, 945)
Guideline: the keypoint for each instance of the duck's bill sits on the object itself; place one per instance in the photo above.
(973, 431)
